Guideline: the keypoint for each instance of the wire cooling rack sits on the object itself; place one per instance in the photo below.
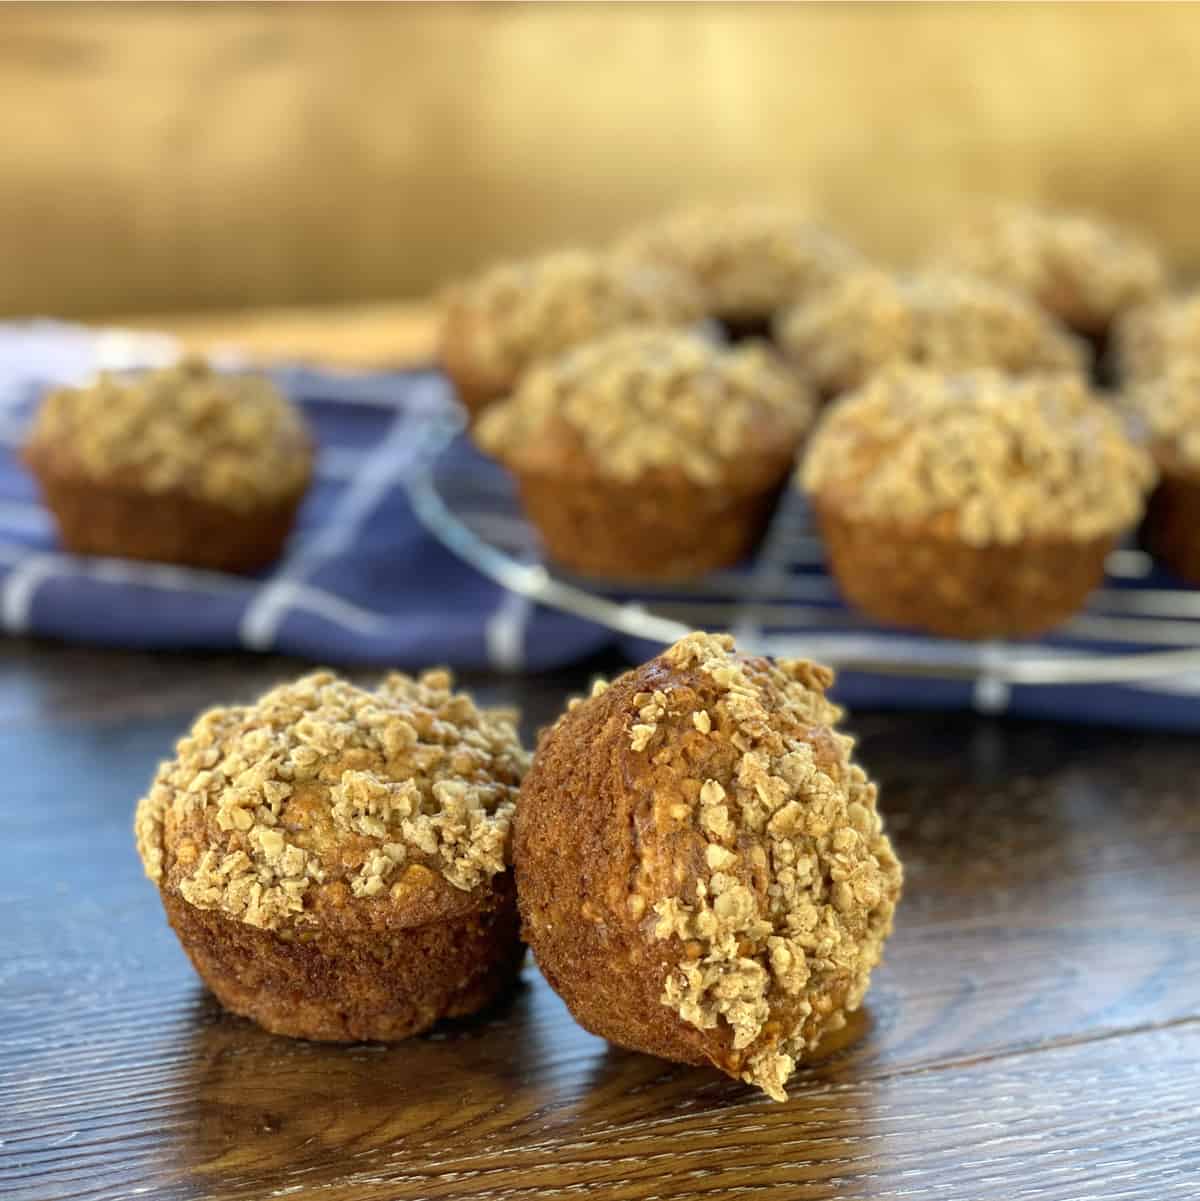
(1137, 629)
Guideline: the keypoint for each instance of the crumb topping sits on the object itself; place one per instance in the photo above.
(799, 884)
(938, 319)
(323, 783)
(528, 310)
(1151, 337)
(638, 400)
(986, 457)
(1167, 407)
(748, 259)
(232, 439)
(1083, 270)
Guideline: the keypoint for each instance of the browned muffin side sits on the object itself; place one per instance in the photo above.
(972, 505)
(947, 321)
(335, 860)
(701, 869)
(650, 453)
(181, 465)
(498, 324)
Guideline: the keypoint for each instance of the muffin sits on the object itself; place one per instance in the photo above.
(701, 869)
(1083, 271)
(1167, 410)
(335, 860)
(1149, 339)
(181, 465)
(497, 325)
(650, 454)
(870, 320)
(748, 260)
(975, 505)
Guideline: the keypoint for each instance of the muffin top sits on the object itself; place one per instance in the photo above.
(229, 439)
(748, 260)
(981, 456)
(1150, 338)
(323, 799)
(761, 864)
(938, 319)
(517, 312)
(1082, 270)
(640, 401)
(1167, 408)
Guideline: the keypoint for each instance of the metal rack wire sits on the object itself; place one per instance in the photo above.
(1133, 631)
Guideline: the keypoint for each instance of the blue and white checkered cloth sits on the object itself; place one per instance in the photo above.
(361, 580)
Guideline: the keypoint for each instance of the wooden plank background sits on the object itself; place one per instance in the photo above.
(159, 157)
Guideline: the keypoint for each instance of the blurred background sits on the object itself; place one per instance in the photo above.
(161, 159)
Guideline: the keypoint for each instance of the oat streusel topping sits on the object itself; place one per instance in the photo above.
(638, 400)
(987, 457)
(799, 882)
(1150, 338)
(749, 259)
(1083, 270)
(1167, 408)
(230, 439)
(527, 310)
(323, 784)
(870, 319)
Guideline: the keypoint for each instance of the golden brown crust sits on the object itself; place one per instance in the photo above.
(701, 871)
(915, 576)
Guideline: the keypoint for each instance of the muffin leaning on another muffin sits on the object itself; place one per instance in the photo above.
(870, 319)
(974, 505)
(1149, 339)
(748, 260)
(650, 454)
(498, 324)
(1168, 410)
(181, 465)
(334, 860)
(701, 869)
(1084, 271)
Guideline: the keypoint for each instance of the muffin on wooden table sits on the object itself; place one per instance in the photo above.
(1084, 271)
(974, 505)
(650, 454)
(181, 465)
(870, 319)
(500, 323)
(1167, 409)
(748, 260)
(701, 868)
(334, 860)
(1149, 340)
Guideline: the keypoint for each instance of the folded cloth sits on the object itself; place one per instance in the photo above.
(362, 581)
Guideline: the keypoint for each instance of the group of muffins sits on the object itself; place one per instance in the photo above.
(693, 855)
(973, 436)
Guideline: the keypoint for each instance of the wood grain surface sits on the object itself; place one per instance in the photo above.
(1034, 1031)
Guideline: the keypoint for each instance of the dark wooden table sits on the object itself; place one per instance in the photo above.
(1034, 1033)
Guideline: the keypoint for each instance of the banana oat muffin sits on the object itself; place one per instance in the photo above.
(1148, 340)
(1084, 271)
(334, 860)
(650, 453)
(180, 465)
(498, 324)
(937, 319)
(701, 869)
(1167, 409)
(748, 260)
(975, 505)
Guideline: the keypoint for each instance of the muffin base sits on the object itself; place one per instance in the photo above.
(475, 387)
(96, 518)
(1172, 529)
(914, 578)
(353, 989)
(644, 532)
